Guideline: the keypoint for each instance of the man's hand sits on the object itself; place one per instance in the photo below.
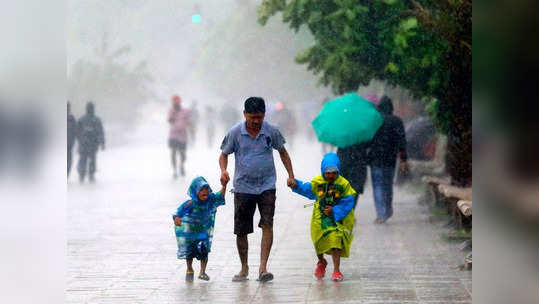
(177, 221)
(225, 178)
(291, 182)
(327, 210)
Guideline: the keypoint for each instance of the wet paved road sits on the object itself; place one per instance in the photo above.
(121, 247)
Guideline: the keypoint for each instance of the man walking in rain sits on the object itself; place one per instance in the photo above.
(388, 142)
(90, 136)
(252, 143)
(179, 120)
(71, 136)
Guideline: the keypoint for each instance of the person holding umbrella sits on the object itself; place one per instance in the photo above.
(388, 143)
(349, 122)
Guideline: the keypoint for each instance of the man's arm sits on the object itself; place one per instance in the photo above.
(223, 163)
(287, 162)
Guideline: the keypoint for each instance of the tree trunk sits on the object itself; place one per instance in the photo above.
(458, 104)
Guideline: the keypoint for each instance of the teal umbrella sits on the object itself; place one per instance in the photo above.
(347, 120)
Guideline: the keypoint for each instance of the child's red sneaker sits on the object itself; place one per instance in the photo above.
(320, 270)
(337, 276)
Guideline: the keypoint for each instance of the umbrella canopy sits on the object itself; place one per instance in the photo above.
(347, 120)
(420, 134)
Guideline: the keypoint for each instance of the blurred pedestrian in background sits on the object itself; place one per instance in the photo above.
(285, 120)
(180, 122)
(90, 136)
(388, 143)
(229, 115)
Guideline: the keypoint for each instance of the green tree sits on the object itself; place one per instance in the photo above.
(423, 46)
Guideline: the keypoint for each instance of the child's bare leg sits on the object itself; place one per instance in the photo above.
(321, 259)
(189, 265)
(336, 255)
(203, 265)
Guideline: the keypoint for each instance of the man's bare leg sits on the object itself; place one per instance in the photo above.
(265, 247)
(243, 250)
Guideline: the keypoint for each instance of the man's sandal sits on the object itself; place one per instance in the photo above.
(239, 278)
(204, 277)
(265, 277)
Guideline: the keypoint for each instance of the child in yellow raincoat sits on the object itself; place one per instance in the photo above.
(333, 217)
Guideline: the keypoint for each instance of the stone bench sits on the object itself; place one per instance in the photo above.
(465, 207)
(432, 183)
(457, 200)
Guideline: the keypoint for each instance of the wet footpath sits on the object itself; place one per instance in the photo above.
(121, 245)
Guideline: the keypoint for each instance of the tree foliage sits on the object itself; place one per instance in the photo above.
(423, 46)
(404, 43)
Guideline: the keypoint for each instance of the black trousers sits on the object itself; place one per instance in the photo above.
(84, 158)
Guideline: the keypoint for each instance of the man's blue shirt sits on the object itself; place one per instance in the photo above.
(255, 170)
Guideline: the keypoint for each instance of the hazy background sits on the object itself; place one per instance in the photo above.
(130, 56)
(127, 55)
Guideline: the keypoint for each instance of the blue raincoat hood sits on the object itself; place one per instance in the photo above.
(196, 185)
(330, 159)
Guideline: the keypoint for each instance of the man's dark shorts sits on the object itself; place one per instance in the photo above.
(244, 210)
(174, 144)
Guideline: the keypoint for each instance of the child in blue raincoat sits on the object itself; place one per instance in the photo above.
(194, 221)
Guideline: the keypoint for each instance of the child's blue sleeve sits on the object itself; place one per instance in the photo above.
(182, 210)
(341, 210)
(218, 198)
(304, 189)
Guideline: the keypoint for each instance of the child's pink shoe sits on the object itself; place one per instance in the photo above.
(320, 270)
(337, 276)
